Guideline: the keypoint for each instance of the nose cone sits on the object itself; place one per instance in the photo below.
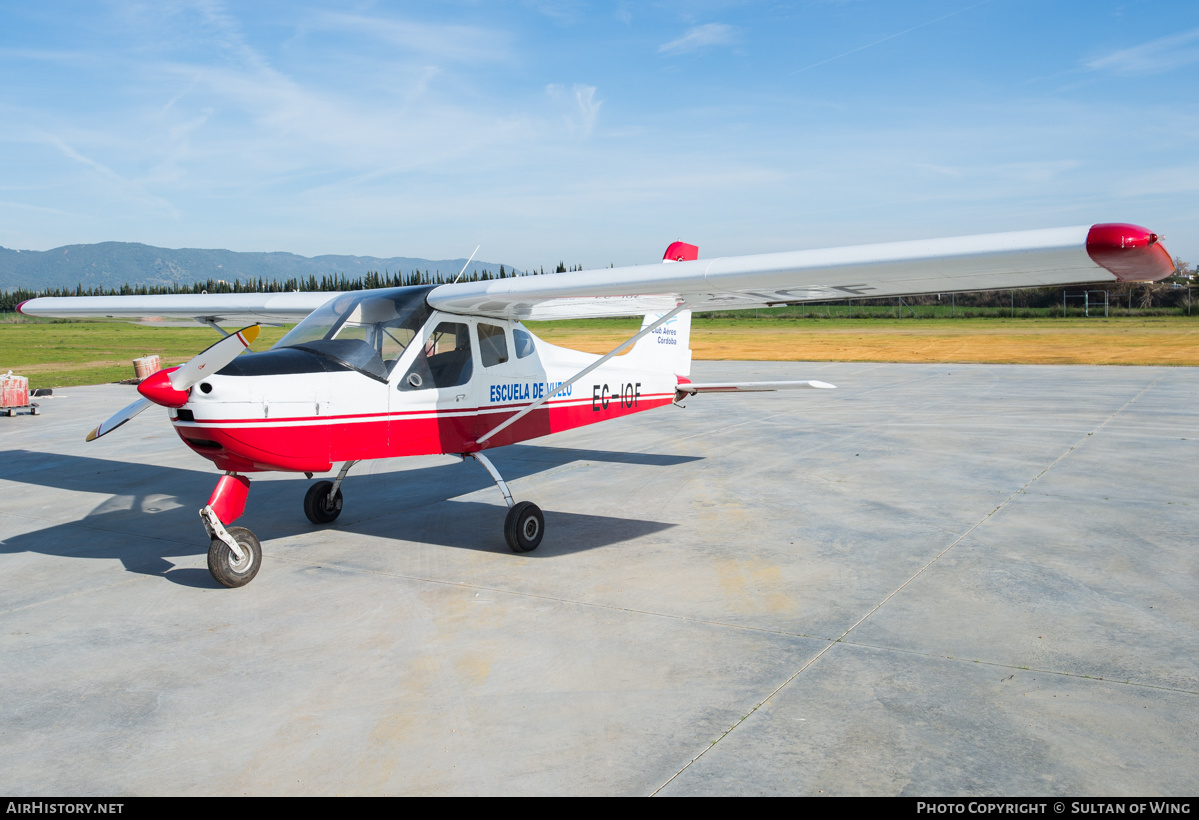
(157, 388)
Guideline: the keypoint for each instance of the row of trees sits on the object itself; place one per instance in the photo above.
(338, 282)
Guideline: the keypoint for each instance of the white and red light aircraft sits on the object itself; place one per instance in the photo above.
(449, 369)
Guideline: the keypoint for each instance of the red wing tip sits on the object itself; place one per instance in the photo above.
(1130, 252)
(681, 252)
(23, 304)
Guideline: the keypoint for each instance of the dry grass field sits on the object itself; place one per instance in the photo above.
(1123, 341)
(65, 353)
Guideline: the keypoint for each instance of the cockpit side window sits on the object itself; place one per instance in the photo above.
(523, 341)
(493, 345)
(444, 360)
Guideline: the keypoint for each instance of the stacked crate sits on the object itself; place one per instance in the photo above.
(146, 366)
(14, 392)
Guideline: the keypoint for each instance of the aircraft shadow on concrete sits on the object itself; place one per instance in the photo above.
(151, 511)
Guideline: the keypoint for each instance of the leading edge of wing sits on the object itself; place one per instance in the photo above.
(1020, 259)
(220, 307)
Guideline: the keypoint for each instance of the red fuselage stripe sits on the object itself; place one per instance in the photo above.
(273, 445)
(490, 410)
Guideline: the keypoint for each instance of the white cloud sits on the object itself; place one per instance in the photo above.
(466, 44)
(585, 111)
(589, 106)
(1155, 57)
(697, 37)
(563, 12)
(118, 186)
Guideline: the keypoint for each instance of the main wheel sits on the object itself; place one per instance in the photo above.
(524, 527)
(225, 566)
(319, 508)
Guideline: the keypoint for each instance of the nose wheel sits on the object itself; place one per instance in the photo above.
(234, 554)
(229, 569)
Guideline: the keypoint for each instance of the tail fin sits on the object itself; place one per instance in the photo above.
(681, 252)
(668, 348)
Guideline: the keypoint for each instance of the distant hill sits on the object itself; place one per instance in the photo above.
(112, 264)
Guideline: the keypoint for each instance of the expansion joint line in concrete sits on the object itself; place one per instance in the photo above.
(904, 585)
(1039, 670)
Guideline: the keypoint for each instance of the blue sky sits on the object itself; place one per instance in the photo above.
(593, 133)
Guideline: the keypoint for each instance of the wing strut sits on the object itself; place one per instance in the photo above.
(631, 340)
(211, 322)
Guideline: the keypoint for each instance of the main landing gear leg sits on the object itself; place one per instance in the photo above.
(322, 502)
(234, 554)
(524, 526)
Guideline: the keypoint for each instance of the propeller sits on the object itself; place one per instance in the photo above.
(170, 387)
(213, 358)
(120, 417)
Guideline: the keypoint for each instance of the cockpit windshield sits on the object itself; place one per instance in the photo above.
(365, 330)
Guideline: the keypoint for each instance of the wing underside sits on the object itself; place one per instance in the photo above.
(1053, 257)
(221, 308)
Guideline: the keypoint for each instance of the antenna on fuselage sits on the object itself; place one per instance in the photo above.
(472, 256)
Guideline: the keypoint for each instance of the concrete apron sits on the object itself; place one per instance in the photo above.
(938, 579)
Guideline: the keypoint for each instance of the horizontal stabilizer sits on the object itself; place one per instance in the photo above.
(751, 387)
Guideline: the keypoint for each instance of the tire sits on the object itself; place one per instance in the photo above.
(316, 505)
(524, 527)
(225, 567)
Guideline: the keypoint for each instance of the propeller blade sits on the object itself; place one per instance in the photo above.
(119, 418)
(214, 358)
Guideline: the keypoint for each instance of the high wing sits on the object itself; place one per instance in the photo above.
(1057, 256)
(1053, 257)
(218, 308)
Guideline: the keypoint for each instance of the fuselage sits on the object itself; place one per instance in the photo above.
(382, 375)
